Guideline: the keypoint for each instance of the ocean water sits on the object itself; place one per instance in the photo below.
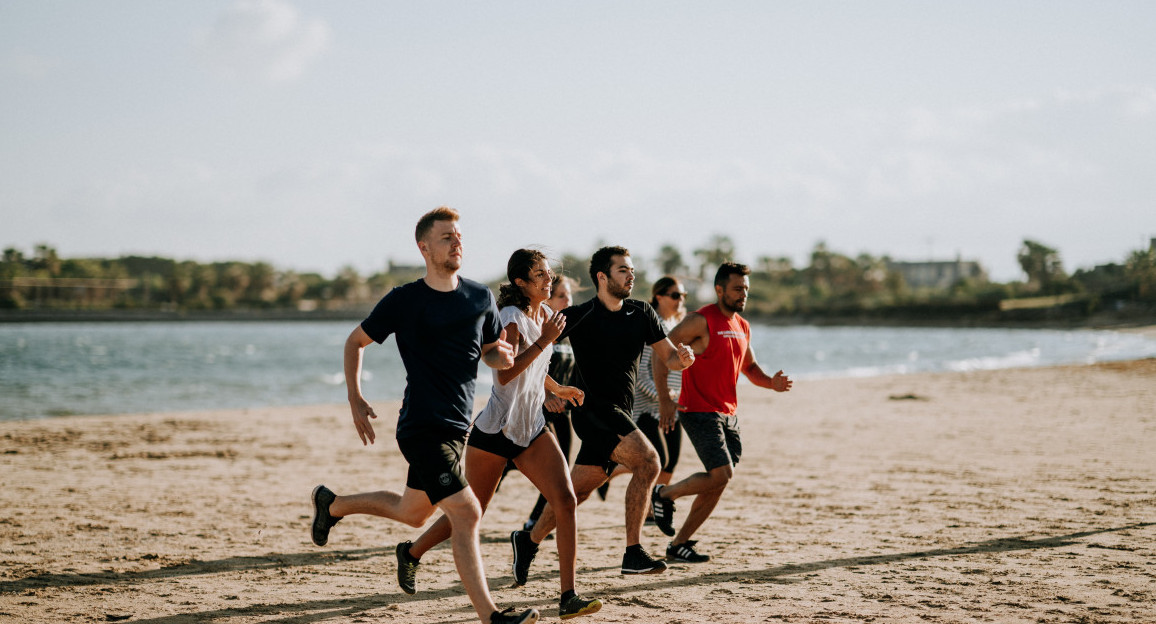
(114, 368)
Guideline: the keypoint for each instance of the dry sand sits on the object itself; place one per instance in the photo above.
(1008, 496)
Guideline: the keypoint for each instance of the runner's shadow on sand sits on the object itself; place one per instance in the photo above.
(195, 567)
(322, 610)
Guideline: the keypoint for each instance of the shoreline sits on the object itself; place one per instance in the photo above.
(1017, 495)
(1108, 321)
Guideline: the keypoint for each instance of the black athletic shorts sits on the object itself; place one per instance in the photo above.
(497, 443)
(435, 462)
(600, 429)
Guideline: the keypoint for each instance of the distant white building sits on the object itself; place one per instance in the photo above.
(937, 274)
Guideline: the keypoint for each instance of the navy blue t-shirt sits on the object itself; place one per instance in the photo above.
(607, 346)
(440, 337)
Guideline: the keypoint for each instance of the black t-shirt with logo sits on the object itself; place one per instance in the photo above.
(607, 346)
(440, 337)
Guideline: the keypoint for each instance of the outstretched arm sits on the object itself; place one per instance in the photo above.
(361, 409)
(777, 382)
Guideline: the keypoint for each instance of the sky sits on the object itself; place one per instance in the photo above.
(312, 135)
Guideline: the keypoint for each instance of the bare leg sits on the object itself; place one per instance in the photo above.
(412, 507)
(545, 467)
(707, 488)
(464, 513)
(483, 471)
(636, 453)
(586, 479)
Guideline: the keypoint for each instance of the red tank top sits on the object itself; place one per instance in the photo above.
(709, 384)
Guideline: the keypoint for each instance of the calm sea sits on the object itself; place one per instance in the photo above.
(112, 368)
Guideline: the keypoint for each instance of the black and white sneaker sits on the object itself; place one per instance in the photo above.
(322, 498)
(528, 616)
(663, 511)
(406, 568)
(638, 561)
(685, 553)
(524, 551)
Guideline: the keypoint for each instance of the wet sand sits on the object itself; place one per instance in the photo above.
(1022, 495)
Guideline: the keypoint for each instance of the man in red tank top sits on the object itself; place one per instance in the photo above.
(707, 405)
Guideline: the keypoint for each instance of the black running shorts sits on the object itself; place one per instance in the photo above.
(600, 431)
(497, 443)
(435, 463)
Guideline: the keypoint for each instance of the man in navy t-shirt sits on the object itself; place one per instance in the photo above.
(444, 325)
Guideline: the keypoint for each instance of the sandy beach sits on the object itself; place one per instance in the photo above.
(1023, 495)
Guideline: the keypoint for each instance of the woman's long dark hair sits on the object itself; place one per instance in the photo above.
(521, 261)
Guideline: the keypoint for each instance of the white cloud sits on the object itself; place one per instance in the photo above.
(263, 39)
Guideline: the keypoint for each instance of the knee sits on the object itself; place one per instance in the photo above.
(417, 518)
(720, 477)
(565, 503)
(648, 468)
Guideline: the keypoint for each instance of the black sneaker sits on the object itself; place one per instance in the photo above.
(322, 521)
(685, 553)
(663, 511)
(528, 616)
(524, 551)
(406, 568)
(638, 561)
(576, 606)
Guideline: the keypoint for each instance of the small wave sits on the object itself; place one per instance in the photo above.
(1030, 357)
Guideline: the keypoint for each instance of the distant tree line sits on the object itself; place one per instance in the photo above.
(831, 285)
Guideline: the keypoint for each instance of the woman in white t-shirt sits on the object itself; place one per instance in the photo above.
(512, 426)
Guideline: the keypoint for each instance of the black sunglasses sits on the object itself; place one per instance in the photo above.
(674, 294)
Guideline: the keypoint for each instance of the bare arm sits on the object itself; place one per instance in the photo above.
(778, 382)
(691, 331)
(498, 354)
(564, 393)
(551, 329)
(361, 409)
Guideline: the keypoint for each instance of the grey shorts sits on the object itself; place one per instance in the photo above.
(715, 437)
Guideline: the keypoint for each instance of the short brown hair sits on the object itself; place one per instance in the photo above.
(425, 223)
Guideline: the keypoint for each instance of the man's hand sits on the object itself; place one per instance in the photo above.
(667, 412)
(553, 404)
(780, 382)
(362, 412)
(500, 354)
(685, 355)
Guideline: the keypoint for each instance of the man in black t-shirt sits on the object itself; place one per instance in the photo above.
(444, 325)
(608, 334)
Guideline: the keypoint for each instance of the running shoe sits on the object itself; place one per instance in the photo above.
(524, 551)
(663, 511)
(638, 561)
(406, 568)
(322, 521)
(576, 606)
(685, 553)
(528, 616)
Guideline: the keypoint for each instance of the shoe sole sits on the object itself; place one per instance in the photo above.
(316, 514)
(514, 567)
(681, 560)
(409, 589)
(593, 607)
(659, 569)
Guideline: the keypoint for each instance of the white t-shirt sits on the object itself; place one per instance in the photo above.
(515, 409)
